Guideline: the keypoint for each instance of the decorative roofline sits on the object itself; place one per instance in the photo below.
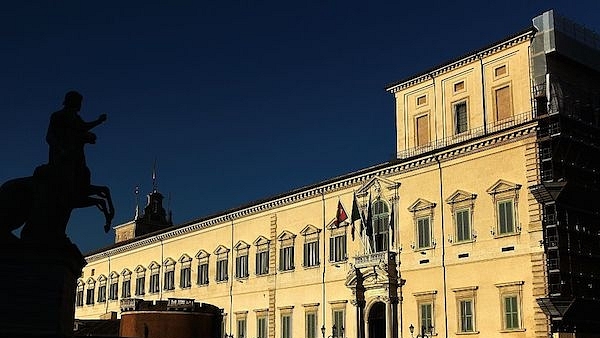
(469, 58)
(331, 186)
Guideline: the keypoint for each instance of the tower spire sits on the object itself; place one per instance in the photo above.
(154, 187)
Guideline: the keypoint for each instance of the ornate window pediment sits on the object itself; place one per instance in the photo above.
(202, 254)
(126, 272)
(241, 245)
(80, 283)
(185, 258)
(421, 205)
(286, 236)
(460, 196)
(169, 261)
(114, 275)
(221, 250)
(102, 279)
(502, 186)
(378, 187)
(140, 269)
(310, 230)
(91, 282)
(261, 240)
(153, 265)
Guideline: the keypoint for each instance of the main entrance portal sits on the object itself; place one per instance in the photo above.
(377, 321)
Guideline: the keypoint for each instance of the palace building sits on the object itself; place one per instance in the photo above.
(484, 224)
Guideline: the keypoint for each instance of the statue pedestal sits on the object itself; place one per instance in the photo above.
(39, 281)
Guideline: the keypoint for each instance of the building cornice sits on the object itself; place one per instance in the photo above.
(472, 57)
(343, 182)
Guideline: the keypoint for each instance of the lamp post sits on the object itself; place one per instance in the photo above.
(334, 332)
(411, 328)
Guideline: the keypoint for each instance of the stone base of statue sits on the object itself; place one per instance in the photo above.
(38, 281)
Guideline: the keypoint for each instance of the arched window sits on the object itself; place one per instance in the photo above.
(381, 222)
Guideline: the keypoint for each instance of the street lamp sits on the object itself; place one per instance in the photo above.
(411, 328)
(334, 332)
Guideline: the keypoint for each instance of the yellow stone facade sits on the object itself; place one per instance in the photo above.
(462, 257)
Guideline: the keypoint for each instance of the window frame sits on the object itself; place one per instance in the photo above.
(169, 275)
(126, 284)
(381, 225)
(113, 290)
(185, 272)
(140, 281)
(511, 290)
(460, 126)
(242, 252)
(262, 324)
(222, 264)
(421, 210)
(462, 296)
(203, 275)
(286, 251)
(502, 192)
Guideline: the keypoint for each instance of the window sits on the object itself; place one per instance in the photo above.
(185, 275)
(311, 324)
(202, 257)
(460, 117)
(466, 315)
(203, 273)
(510, 296)
(505, 195)
(465, 301)
(463, 225)
(79, 294)
(311, 254)
(286, 325)
(311, 246)
(241, 259)
(422, 211)
(422, 123)
(89, 295)
(426, 317)
(339, 323)
(140, 280)
(102, 293)
(222, 263)
(113, 290)
(169, 278)
(101, 289)
(286, 251)
(241, 327)
(462, 204)
(459, 86)
(262, 255)
(286, 260)
(261, 325)
(154, 286)
(506, 223)
(337, 248)
(126, 287)
(262, 262)
(89, 299)
(421, 100)
(381, 225)
(425, 308)
(221, 269)
(511, 313)
(423, 233)
(499, 71)
(241, 266)
(503, 103)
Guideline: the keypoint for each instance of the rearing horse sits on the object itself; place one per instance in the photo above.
(32, 201)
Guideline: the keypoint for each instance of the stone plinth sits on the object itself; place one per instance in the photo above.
(38, 282)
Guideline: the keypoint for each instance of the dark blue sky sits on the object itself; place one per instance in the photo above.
(236, 100)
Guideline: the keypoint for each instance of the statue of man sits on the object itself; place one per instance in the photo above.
(66, 136)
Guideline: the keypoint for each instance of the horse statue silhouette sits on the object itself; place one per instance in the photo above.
(43, 202)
